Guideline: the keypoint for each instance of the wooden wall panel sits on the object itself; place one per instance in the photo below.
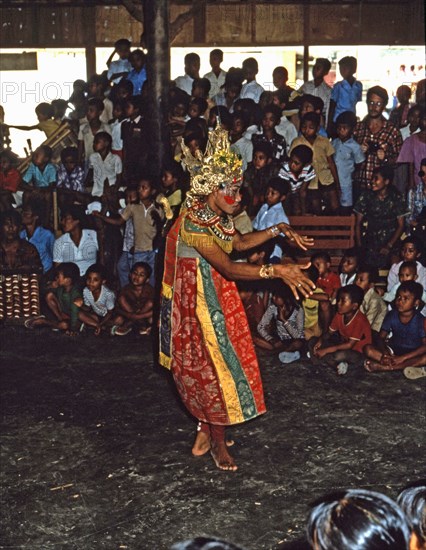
(186, 35)
(250, 23)
(114, 22)
(390, 24)
(279, 24)
(229, 25)
(16, 28)
(57, 27)
(333, 24)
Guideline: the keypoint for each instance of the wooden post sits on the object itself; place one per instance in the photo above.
(156, 33)
(306, 35)
(89, 26)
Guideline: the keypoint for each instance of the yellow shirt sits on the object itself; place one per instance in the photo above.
(311, 310)
(322, 149)
(49, 126)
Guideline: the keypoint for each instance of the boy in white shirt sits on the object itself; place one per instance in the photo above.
(103, 164)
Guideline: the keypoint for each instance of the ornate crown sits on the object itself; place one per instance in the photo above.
(219, 165)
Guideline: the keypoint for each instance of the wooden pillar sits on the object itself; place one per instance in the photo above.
(156, 32)
(89, 24)
(306, 33)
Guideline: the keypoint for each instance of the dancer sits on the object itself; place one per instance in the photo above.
(204, 335)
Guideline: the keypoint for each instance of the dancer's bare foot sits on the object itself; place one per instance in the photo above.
(202, 444)
(222, 458)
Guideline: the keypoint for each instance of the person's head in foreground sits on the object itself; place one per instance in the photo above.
(357, 519)
(412, 500)
(205, 543)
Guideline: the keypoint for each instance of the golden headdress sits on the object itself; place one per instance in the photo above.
(219, 165)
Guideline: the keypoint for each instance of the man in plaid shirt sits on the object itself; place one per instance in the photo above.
(380, 140)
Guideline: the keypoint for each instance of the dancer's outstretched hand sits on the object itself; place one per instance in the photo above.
(293, 276)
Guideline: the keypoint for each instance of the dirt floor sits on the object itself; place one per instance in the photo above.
(96, 447)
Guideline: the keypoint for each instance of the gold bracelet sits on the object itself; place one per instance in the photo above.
(274, 230)
(267, 271)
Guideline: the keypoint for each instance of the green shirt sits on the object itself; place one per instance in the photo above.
(66, 303)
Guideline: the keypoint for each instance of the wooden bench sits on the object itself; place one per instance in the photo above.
(333, 234)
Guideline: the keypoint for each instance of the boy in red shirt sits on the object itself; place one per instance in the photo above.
(329, 282)
(348, 334)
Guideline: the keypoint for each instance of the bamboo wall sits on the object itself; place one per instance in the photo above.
(230, 24)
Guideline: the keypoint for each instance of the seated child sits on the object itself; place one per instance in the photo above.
(281, 327)
(411, 251)
(97, 304)
(70, 174)
(103, 165)
(406, 348)
(311, 306)
(348, 334)
(10, 180)
(298, 171)
(39, 178)
(348, 157)
(61, 301)
(348, 266)
(41, 173)
(272, 212)
(135, 303)
(407, 272)
(373, 305)
(271, 116)
(329, 282)
(258, 174)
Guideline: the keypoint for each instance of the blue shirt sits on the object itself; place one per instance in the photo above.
(269, 216)
(346, 96)
(137, 79)
(409, 336)
(347, 154)
(43, 240)
(119, 66)
(38, 178)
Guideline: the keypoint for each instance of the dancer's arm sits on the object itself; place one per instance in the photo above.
(291, 274)
(256, 238)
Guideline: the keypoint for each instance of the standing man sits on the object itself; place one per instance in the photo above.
(380, 140)
(216, 75)
(192, 71)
